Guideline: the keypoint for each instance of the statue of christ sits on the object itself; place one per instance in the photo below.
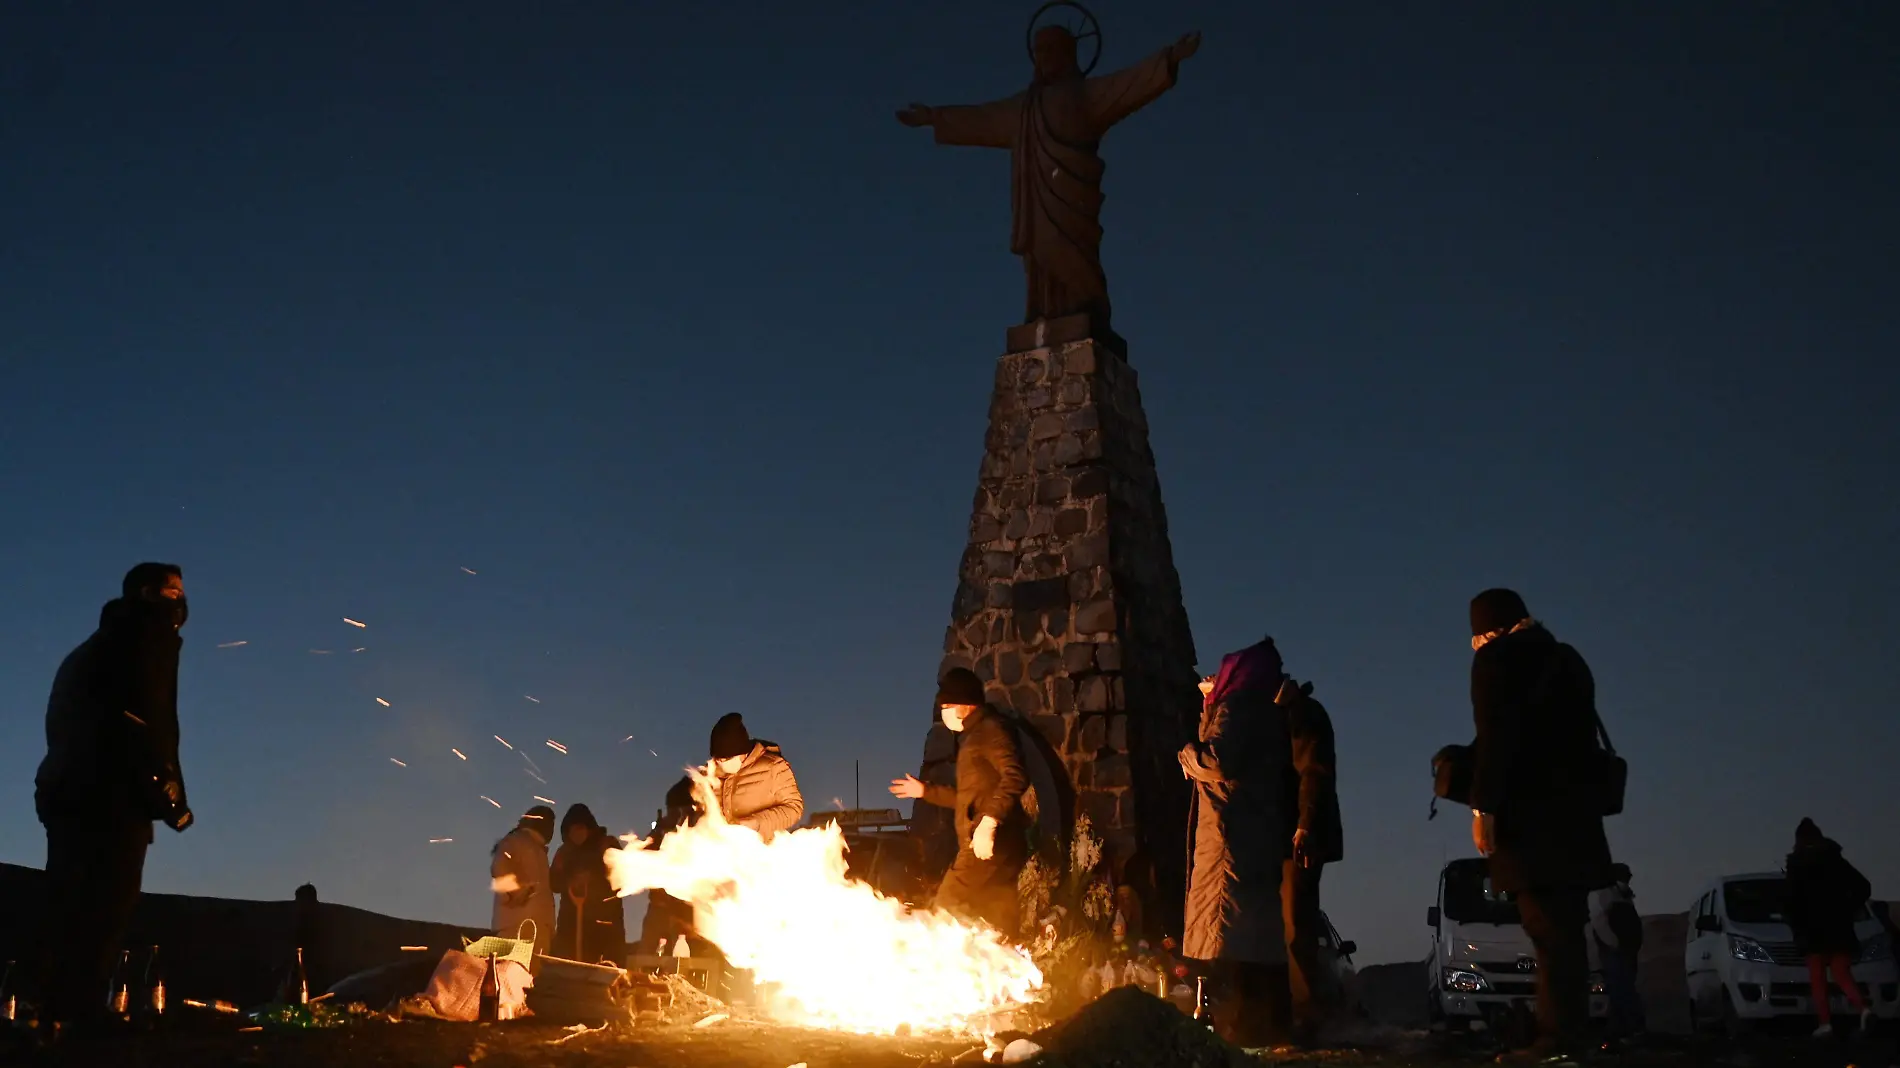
(1053, 130)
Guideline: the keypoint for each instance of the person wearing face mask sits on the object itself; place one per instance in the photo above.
(992, 829)
(111, 770)
(756, 786)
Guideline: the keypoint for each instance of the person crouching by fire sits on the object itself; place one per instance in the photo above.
(518, 873)
(992, 842)
(668, 918)
(755, 782)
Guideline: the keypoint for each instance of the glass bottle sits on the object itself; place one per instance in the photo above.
(9, 1003)
(488, 1010)
(119, 994)
(153, 1005)
(300, 982)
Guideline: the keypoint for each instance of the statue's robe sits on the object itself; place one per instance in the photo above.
(1053, 132)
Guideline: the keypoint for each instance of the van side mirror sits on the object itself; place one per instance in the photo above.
(1431, 917)
(1708, 925)
(1348, 948)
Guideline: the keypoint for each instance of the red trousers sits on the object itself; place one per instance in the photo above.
(1842, 966)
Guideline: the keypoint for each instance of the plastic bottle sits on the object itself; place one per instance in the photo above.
(488, 1010)
(681, 949)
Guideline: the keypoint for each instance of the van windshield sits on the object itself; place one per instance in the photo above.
(1764, 901)
(1469, 897)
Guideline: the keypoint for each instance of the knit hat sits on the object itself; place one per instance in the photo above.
(1807, 833)
(1496, 609)
(730, 738)
(959, 686)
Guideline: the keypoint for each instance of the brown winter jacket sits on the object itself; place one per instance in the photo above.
(1314, 785)
(990, 781)
(763, 793)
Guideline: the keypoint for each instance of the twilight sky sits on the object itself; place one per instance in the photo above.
(654, 317)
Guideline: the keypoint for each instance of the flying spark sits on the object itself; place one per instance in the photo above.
(439, 841)
(651, 751)
(231, 645)
(398, 763)
(468, 570)
(557, 747)
(627, 739)
(503, 741)
(382, 702)
(457, 752)
(536, 778)
(490, 800)
(546, 800)
(360, 649)
(354, 623)
(415, 949)
(531, 697)
(321, 652)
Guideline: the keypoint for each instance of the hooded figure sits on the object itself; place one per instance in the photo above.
(1239, 768)
(756, 785)
(1312, 802)
(518, 873)
(1826, 895)
(592, 926)
(111, 769)
(1535, 795)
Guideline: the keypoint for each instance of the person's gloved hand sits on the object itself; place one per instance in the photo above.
(983, 839)
(178, 814)
(180, 819)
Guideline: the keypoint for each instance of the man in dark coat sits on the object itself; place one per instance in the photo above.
(1318, 840)
(1536, 799)
(1240, 766)
(111, 769)
(992, 829)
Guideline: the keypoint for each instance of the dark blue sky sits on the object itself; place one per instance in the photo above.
(660, 322)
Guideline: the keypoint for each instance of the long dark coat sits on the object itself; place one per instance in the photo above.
(112, 721)
(1242, 835)
(1533, 701)
(592, 924)
(1314, 785)
(990, 782)
(1825, 896)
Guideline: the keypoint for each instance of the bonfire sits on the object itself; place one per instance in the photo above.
(826, 950)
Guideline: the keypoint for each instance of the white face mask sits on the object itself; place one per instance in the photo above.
(955, 715)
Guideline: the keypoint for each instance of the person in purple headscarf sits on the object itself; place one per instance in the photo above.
(1239, 766)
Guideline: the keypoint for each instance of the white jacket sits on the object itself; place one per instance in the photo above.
(520, 863)
(1600, 902)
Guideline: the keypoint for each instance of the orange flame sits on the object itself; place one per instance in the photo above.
(827, 951)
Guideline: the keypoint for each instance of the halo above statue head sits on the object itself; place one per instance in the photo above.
(1090, 30)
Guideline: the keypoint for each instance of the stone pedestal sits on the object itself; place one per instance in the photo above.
(1068, 605)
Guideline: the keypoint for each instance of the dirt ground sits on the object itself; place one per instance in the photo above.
(428, 1044)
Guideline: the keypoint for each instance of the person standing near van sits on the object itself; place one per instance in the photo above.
(1618, 930)
(1536, 809)
(1826, 895)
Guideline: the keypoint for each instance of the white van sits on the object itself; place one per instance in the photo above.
(1743, 967)
(1483, 966)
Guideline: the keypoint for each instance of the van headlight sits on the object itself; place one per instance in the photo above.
(1879, 947)
(1743, 948)
(1460, 981)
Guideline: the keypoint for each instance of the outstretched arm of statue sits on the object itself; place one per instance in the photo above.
(991, 125)
(1114, 97)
